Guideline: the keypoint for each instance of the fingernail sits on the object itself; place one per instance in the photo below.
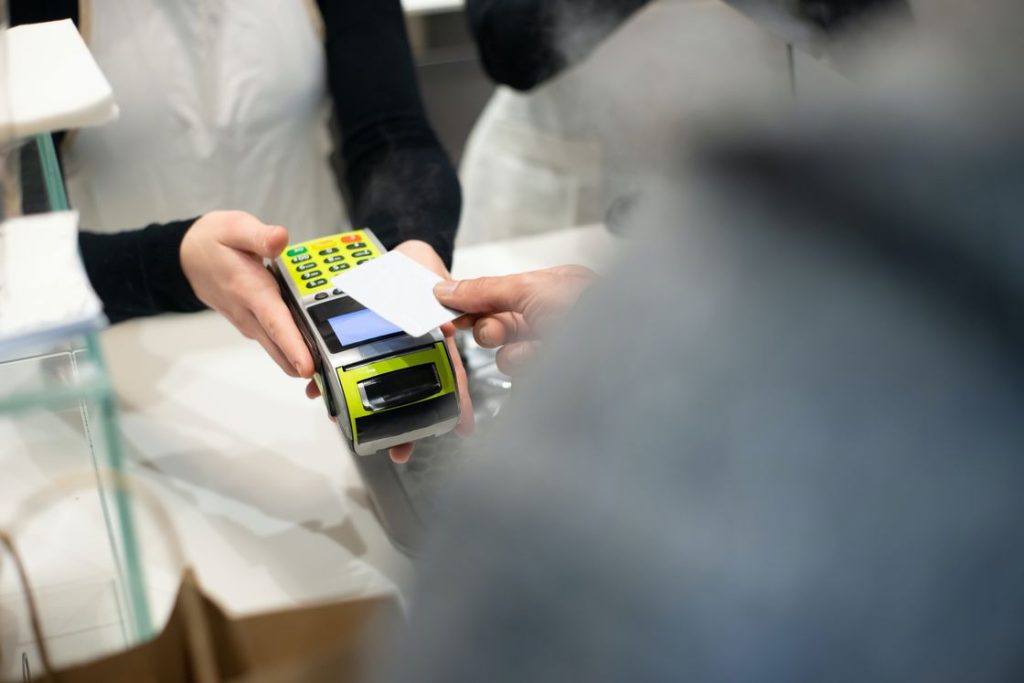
(445, 288)
(484, 334)
(298, 367)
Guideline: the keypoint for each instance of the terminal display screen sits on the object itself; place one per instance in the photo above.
(360, 327)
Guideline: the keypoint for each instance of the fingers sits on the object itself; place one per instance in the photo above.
(485, 294)
(312, 390)
(513, 357)
(276, 320)
(465, 322)
(275, 239)
(251, 328)
(511, 292)
(467, 421)
(497, 330)
(221, 257)
(247, 233)
(401, 454)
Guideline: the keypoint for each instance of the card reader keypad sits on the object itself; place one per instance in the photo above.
(312, 264)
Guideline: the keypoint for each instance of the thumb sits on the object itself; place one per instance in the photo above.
(248, 233)
(485, 294)
(275, 239)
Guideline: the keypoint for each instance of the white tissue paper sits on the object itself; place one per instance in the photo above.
(53, 82)
(45, 293)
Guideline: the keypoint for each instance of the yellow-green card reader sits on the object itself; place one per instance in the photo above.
(383, 386)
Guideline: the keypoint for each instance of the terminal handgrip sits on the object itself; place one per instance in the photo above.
(400, 387)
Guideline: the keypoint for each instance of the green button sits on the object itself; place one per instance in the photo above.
(296, 251)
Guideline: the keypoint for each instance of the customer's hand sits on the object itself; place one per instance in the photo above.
(424, 254)
(513, 312)
(222, 257)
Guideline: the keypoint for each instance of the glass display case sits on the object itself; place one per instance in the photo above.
(58, 421)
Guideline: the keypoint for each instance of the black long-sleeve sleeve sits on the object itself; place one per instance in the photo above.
(523, 43)
(138, 273)
(401, 182)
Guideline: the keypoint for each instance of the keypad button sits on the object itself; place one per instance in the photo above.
(354, 237)
(296, 251)
(312, 274)
(362, 261)
(339, 267)
(316, 283)
(364, 252)
(334, 259)
(321, 296)
(337, 292)
(301, 258)
(306, 266)
(357, 245)
(328, 252)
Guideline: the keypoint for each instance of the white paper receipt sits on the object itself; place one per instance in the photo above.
(399, 290)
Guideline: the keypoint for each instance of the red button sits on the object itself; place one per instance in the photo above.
(355, 237)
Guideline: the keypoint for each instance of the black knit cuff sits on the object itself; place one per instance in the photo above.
(138, 273)
(168, 287)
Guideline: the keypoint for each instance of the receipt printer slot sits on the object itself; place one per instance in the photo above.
(400, 387)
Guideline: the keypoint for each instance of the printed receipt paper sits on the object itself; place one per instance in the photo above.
(399, 290)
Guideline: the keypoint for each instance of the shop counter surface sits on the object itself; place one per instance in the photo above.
(258, 481)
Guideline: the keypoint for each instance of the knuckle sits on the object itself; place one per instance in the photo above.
(232, 220)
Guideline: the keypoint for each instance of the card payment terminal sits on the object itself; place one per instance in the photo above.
(383, 386)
